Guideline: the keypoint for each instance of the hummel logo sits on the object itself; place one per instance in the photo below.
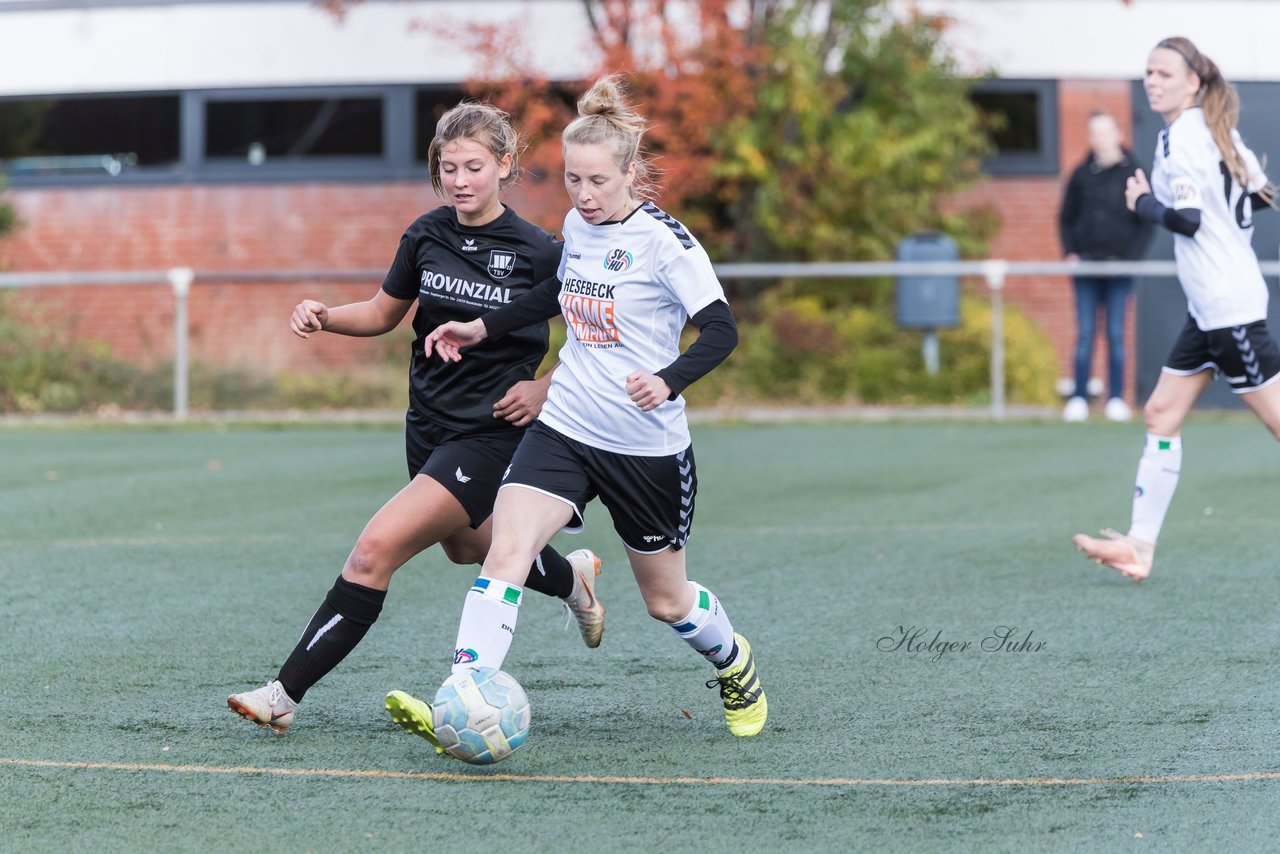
(574, 255)
(469, 245)
(462, 478)
(653, 538)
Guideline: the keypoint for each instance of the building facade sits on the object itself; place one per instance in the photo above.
(239, 136)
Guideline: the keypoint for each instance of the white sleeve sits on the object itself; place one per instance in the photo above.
(691, 280)
(1183, 184)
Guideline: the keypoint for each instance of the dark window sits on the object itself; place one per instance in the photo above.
(88, 135)
(1021, 117)
(259, 131)
(429, 106)
(1012, 118)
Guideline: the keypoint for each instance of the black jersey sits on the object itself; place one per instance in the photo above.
(459, 272)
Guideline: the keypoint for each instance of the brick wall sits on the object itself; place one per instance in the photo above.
(211, 228)
(350, 225)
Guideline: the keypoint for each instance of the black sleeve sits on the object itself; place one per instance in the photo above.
(539, 303)
(1185, 221)
(401, 280)
(717, 336)
(1069, 213)
(1142, 235)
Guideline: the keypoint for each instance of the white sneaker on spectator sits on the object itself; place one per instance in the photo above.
(1077, 409)
(1117, 410)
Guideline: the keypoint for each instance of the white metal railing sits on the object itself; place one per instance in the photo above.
(993, 272)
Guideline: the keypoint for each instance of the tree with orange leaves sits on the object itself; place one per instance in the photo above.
(689, 68)
(805, 129)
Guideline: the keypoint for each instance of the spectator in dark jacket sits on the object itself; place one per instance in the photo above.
(1095, 225)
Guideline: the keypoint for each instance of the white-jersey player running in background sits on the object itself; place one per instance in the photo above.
(614, 425)
(1205, 186)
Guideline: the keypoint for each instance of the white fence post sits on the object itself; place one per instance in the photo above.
(995, 271)
(180, 279)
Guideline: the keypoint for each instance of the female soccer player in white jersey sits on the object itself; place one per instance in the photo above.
(457, 261)
(1205, 186)
(614, 423)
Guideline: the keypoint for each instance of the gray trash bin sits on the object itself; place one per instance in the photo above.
(928, 302)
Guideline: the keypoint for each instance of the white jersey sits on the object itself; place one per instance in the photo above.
(626, 290)
(1217, 266)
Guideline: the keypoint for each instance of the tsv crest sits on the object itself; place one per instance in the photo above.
(501, 263)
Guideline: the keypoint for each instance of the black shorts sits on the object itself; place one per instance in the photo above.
(1245, 356)
(469, 466)
(650, 499)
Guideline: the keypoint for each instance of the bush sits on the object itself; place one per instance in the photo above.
(40, 372)
(795, 350)
(800, 351)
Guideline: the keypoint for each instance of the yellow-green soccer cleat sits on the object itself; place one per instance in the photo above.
(414, 716)
(745, 707)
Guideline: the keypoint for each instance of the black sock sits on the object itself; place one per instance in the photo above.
(550, 574)
(339, 624)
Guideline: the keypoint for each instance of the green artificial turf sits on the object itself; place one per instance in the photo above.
(146, 573)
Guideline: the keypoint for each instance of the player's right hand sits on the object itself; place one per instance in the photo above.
(448, 339)
(308, 316)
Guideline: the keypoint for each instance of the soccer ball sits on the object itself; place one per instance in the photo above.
(481, 716)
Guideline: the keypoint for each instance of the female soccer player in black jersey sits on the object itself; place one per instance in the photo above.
(455, 262)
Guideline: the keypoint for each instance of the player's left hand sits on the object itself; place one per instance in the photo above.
(522, 402)
(647, 390)
(1136, 187)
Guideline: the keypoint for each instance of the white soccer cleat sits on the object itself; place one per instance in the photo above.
(1127, 555)
(1076, 410)
(268, 706)
(582, 602)
(1117, 410)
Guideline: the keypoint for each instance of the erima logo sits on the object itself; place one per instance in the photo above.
(464, 656)
(501, 263)
(462, 478)
(469, 245)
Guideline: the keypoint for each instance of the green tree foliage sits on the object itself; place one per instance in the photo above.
(862, 126)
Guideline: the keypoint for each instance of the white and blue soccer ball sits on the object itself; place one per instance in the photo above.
(481, 716)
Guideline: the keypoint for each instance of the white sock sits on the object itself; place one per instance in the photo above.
(488, 624)
(1157, 479)
(706, 628)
